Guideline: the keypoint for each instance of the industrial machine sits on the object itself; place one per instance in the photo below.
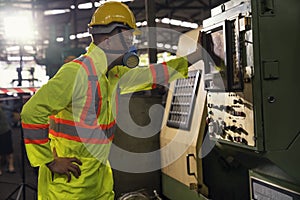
(250, 79)
(183, 129)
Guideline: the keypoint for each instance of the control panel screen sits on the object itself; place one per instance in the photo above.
(225, 59)
(217, 49)
(215, 62)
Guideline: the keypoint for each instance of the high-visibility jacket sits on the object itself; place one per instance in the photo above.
(75, 112)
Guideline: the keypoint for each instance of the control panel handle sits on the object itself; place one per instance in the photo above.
(189, 165)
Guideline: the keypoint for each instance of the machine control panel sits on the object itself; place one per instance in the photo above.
(227, 39)
(230, 118)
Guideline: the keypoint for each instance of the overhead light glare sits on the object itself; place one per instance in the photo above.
(173, 22)
(167, 46)
(72, 37)
(165, 21)
(176, 22)
(82, 35)
(174, 47)
(19, 27)
(28, 48)
(59, 39)
(144, 23)
(88, 5)
(103, 1)
(13, 48)
(97, 4)
(56, 11)
(18, 58)
(160, 45)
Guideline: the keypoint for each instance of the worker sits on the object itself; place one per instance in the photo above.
(69, 123)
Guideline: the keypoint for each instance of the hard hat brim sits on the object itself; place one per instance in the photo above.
(100, 29)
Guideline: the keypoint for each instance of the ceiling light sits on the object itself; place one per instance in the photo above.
(175, 22)
(174, 47)
(59, 39)
(56, 11)
(165, 21)
(167, 46)
(18, 58)
(144, 23)
(13, 48)
(88, 5)
(103, 1)
(28, 48)
(160, 45)
(82, 35)
(72, 37)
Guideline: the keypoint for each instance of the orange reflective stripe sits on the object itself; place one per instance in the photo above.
(160, 74)
(166, 73)
(62, 121)
(92, 107)
(35, 133)
(77, 133)
(81, 124)
(87, 130)
(35, 126)
(89, 91)
(153, 71)
(29, 141)
(81, 139)
(98, 99)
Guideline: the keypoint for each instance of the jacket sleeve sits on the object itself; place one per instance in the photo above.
(49, 100)
(147, 78)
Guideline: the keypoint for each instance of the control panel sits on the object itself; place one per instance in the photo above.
(230, 118)
(227, 39)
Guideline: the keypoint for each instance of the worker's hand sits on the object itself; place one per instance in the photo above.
(64, 165)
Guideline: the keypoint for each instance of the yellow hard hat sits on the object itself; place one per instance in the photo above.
(113, 12)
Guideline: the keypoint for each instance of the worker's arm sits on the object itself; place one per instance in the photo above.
(49, 100)
(147, 78)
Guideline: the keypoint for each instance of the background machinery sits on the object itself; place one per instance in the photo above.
(250, 80)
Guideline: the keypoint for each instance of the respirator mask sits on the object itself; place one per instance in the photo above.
(130, 58)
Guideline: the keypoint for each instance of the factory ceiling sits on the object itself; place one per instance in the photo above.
(76, 15)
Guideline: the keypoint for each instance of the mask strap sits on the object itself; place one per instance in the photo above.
(122, 39)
